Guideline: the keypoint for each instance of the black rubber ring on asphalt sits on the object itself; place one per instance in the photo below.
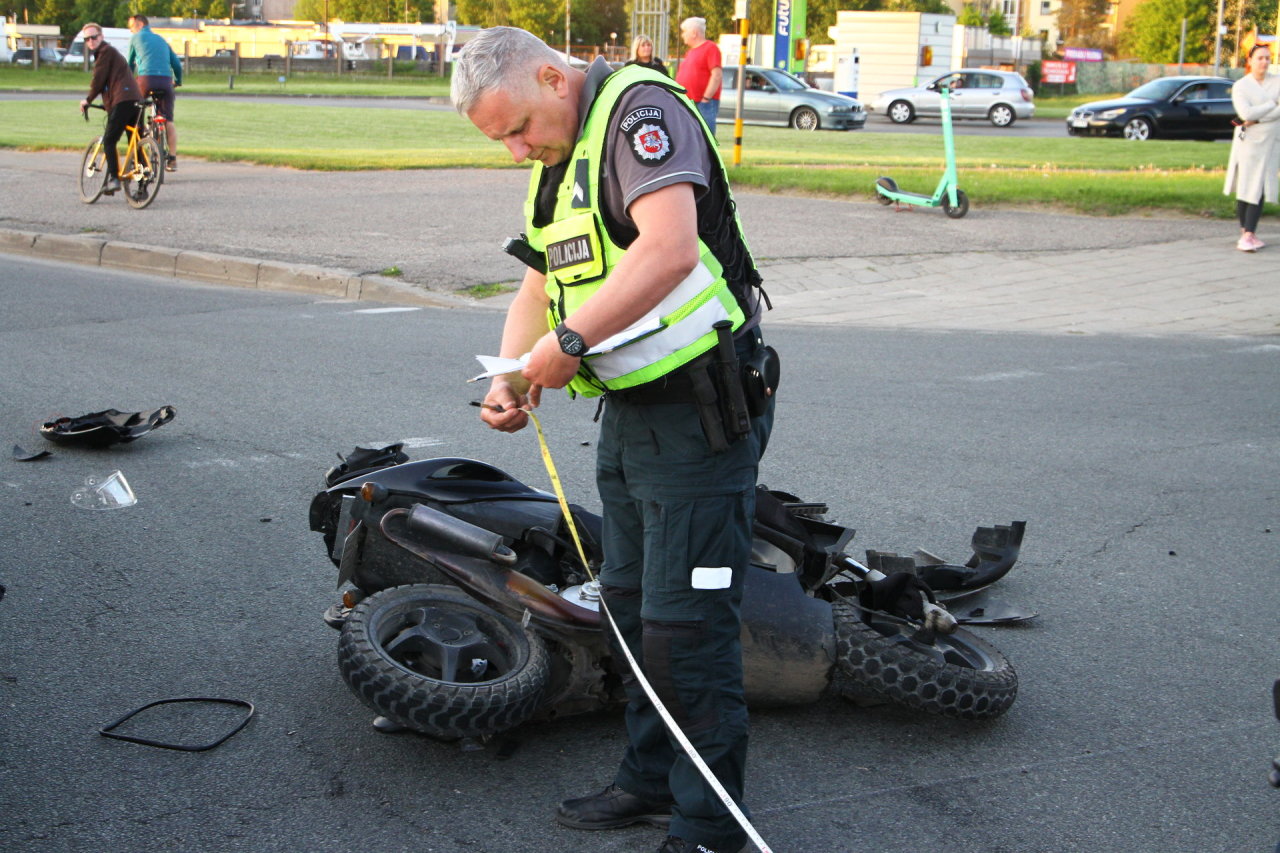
(106, 731)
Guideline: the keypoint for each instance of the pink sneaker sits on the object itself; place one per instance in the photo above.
(1244, 244)
(1258, 244)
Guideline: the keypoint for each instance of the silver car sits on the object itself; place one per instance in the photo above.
(1000, 97)
(778, 98)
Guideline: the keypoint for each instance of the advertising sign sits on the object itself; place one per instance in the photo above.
(1082, 54)
(1056, 71)
(788, 34)
(781, 33)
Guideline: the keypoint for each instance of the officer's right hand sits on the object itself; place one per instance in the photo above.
(504, 408)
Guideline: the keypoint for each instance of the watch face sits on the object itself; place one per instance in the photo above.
(572, 343)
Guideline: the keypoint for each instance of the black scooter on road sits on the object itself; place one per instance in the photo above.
(467, 612)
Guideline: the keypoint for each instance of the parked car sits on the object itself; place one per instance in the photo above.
(775, 97)
(1173, 107)
(1000, 97)
(48, 56)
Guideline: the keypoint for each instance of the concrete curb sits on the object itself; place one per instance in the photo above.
(212, 268)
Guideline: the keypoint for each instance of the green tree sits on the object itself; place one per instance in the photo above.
(99, 11)
(543, 18)
(1080, 21)
(970, 16)
(998, 24)
(592, 22)
(931, 7)
(150, 8)
(1152, 32)
(309, 10)
(60, 13)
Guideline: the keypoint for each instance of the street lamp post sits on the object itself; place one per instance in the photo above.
(1217, 42)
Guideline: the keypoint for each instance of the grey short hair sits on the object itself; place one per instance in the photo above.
(699, 24)
(499, 58)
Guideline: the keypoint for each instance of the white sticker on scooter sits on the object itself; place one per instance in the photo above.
(718, 578)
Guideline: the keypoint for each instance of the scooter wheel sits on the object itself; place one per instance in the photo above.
(961, 206)
(890, 185)
(879, 658)
(433, 659)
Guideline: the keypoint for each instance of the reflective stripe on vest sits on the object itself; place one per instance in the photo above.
(580, 254)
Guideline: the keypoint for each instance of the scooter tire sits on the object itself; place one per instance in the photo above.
(958, 676)
(433, 659)
(890, 185)
(961, 205)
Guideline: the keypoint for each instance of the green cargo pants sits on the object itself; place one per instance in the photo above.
(670, 506)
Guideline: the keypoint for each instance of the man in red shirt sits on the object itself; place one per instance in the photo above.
(700, 72)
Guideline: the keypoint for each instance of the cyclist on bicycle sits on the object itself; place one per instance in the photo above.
(159, 71)
(114, 82)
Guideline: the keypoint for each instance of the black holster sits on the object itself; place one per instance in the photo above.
(728, 379)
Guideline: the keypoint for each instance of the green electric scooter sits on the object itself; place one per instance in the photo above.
(948, 196)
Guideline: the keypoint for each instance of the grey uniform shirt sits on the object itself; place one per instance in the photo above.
(654, 141)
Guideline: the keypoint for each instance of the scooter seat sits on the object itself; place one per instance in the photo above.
(449, 480)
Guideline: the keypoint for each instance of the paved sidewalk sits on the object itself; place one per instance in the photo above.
(825, 261)
(1198, 286)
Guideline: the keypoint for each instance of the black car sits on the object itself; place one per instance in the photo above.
(1171, 107)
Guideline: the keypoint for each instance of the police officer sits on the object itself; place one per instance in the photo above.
(644, 257)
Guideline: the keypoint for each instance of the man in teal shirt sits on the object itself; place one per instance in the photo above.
(159, 71)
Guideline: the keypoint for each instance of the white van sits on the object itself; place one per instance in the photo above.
(320, 49)
(6, 52)
(117, 37)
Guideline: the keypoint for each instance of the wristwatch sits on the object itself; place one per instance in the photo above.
(571, 343)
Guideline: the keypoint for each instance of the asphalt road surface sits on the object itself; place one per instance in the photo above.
(1146, 469)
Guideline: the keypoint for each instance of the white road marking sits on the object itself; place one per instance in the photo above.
(1003, 377)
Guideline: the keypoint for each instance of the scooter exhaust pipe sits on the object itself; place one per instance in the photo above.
(457, 535)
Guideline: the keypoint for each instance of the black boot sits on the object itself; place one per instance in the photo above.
(612, 807)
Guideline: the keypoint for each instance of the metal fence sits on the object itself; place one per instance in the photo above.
(1097, 78)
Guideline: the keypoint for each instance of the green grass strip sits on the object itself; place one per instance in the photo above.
(416, 85)
(1096, 176)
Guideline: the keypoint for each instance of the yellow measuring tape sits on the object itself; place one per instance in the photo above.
(564, 503)
(689, 749)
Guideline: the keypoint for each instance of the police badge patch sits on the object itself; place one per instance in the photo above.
(650, 142)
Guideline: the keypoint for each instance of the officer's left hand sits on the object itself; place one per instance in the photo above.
(548, 365)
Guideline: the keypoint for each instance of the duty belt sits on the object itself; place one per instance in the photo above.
(675, 387)
(713, 383)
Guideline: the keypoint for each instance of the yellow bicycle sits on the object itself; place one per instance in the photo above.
(141, 166)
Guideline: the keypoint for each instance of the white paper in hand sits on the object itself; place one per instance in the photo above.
(496, 366)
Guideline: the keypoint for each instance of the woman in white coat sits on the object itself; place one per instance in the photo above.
(1255, 151)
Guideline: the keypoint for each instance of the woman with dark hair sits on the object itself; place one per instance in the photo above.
(642, 54)
(1255, 150)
